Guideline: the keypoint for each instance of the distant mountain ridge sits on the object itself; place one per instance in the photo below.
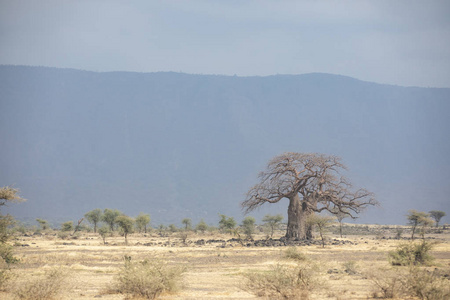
(176, 145)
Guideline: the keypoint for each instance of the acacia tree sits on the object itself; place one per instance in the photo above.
(109, 217)
(43, 223)
(248, 225)
(126, 224)
(437, 216)
(418, 219)
(340, 216)
(311, 183)
(187, 223)
(321, 222)
(201, 226)
(10, 194)
(94, 217)
(142, 221)
(272, 222)
(226, 224)
(7, 194)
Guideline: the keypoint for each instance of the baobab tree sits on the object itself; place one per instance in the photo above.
(312, 183)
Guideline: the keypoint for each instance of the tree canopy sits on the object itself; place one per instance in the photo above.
(437, 215)
(8, 193)
(94, 216)
(142, 221)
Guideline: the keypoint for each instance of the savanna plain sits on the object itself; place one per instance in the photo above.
(214, 265)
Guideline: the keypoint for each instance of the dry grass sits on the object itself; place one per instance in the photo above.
(294, 254)
(44, 287)
(214, 270)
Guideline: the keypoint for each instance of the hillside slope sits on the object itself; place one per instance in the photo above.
(176, 145)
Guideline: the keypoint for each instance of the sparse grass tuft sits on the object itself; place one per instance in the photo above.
(147, 279)
(43, 288)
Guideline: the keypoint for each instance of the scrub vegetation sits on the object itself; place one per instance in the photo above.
(114, 256)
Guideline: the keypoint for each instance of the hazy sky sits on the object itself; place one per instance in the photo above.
(396, 42)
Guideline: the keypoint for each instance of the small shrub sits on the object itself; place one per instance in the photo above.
(6, 254)
(43, 288)
(294, 254)
(183, 235)
(350, 267)
(398, 233)
(147, 279)
(172, 228)
(411, 254)
(283, 282)
(201, 226)
(67, 226)
(64, 235)
(428, 285)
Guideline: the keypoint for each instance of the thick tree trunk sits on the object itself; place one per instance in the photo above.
(297, 229)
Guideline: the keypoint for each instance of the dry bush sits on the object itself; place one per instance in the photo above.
(411, 282)
(147, 279)
(294, 254)
(388, 283)
(412, 254)
(43, 288)
(428, 285)
(283, 282)
(64, 235)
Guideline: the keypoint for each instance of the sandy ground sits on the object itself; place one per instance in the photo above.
(213, 271)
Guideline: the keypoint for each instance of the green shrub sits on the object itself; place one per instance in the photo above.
(248, 226)
(147, 279)
(44, 288)
(201, 226)
(67, 226)
(6, 254)
(283, 282)
(64, 235)
(6, 259)
(104, 232)
(411, 254)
